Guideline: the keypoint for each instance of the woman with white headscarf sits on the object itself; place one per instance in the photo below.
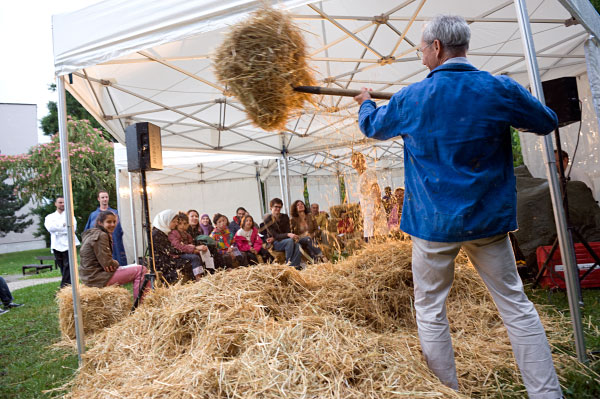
(166, 256)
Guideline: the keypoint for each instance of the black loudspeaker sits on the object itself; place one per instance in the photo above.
(562, 97)
(144, 149)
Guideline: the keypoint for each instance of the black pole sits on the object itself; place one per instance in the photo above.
(151, 276)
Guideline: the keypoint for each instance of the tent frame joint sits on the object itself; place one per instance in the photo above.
(381, 19)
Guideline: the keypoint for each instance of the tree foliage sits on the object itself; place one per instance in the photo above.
(516, 147)
(49, 123)
(10, 204)
(37, 174)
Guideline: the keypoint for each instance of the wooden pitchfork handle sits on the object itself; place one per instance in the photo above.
(341, 92)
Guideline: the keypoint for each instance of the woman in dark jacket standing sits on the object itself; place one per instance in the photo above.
(98, 268)
(166, 256)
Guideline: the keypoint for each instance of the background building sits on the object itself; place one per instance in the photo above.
(18, 133)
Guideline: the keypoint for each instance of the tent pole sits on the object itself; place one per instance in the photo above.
(279, 166)
(133, 224)
(287, 178)
(260, 193)
(118, 191)
(564, 238)
(68, 194)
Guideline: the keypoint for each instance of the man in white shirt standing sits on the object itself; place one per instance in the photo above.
(56, 224)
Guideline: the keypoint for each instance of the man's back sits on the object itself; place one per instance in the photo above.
(457, 150)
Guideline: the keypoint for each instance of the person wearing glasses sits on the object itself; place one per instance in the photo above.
(460, 193)
(279, 234)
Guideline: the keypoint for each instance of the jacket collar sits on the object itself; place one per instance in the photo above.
(453, 67)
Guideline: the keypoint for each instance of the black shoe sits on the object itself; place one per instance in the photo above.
(2, 311)
(12, 305)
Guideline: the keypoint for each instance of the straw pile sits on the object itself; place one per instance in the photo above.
(259, 61)
(100, 308)
(341, 330)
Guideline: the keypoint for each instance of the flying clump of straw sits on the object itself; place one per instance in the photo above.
(100, 308)
(260, 61)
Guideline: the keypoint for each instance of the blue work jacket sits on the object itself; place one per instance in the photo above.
(459, 177)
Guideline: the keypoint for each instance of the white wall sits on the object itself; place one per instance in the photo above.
(323, 190)
(18, 133)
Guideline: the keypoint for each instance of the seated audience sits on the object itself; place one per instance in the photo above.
(98, 268)
(235, 224)
(198, 255)
(224, 242)
(396, 211)
(279, 234)
(321, 217)
(200, 229)
(304, 226)
(249, 242)
(573, 174)
(387, 200)
(345, 225)
(194, 223)
(322, 220)
(167, 258)
(206, 225)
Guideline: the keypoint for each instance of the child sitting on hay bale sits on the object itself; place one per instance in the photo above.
(249, 242)
(98, 268)
(225, 244)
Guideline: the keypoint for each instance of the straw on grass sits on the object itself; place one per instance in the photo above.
(341, 330)
(100, 308)
(259, 61)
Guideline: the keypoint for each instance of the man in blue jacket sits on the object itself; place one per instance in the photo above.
(118, 247)
(460, 193)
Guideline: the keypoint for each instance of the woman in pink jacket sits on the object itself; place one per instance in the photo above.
(249, 242)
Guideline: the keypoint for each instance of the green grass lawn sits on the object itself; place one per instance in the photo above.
(12, 263)
(579, 385)
(28, 366)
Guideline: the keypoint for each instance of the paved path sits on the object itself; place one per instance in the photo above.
(15, 282)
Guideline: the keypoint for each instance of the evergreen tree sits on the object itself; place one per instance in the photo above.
(9, 205)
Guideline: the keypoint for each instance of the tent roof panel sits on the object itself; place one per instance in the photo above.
(151, 63)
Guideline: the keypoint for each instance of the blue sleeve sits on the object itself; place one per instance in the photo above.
(89, 222)
(381, 123)
(528, 113)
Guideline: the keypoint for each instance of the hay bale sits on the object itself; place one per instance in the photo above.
(353, 210)
(334, 330)
(260, 61)
(100, 308)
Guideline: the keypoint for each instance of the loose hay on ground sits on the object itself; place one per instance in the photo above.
(100, 308)
(260, 61)
(343, 331)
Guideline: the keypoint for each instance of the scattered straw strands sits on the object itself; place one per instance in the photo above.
(100, 308)
(341, 330)
(259, 61)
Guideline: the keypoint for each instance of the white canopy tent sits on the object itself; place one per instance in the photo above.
(134, 60)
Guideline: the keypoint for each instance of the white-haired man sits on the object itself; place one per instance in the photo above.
(460, 193)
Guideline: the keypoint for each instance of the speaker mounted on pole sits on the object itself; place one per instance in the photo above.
(562, 97)
(144, 148)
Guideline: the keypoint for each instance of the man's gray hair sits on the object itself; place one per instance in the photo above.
(451, 30)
